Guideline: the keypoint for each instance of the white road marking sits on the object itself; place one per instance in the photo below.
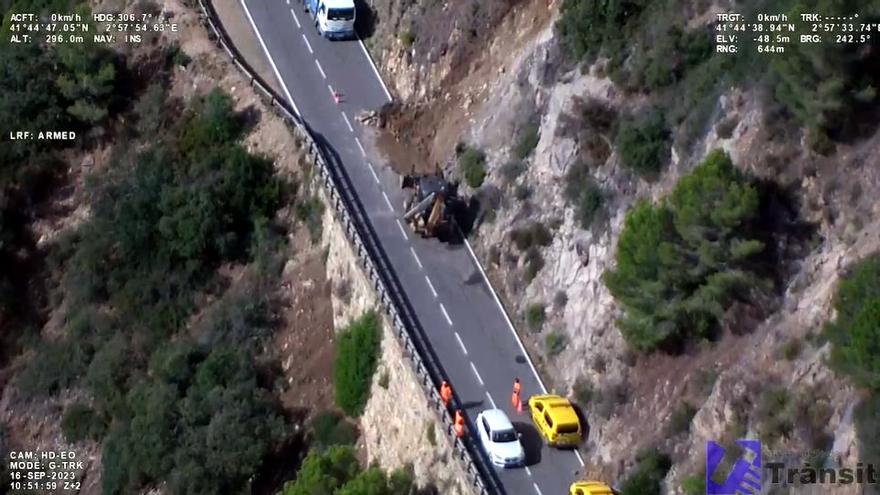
(375, 177)
(294, 16)
(431, 286)
(491, 401)
(448, 319)
(269, 56)
(402, 232)
(308, 45)
(413, 251)
(463, 348)
(507, 318)
(538, 490)
(375, 70)
(348, 122)
(477, 374)
(387, 201)
(288, 2)
(528, 471)
(580, 459)
(358, 141)
(320, 69)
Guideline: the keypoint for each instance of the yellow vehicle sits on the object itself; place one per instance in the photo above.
(590, 488)
(556, 419)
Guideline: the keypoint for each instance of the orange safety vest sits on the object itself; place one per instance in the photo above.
(459, 424)
(445, 392)
(514, 399)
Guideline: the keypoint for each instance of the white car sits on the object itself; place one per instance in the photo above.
(500, 439)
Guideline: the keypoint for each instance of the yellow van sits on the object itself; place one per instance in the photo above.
(556, 419)
(590, 488)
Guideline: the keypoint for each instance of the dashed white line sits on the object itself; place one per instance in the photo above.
(431, 286)
(348, 123)
(387, 201)
(538, 490)
(247, 12)
(320, 69)
(295, 18)
(308, 45)
(418, 261)
(580, 459)
(460, 343)
(360, 146)
(477, 374)
(528, 471)
(375, 177)
(491, 401)
(402, 232)
(443, 309)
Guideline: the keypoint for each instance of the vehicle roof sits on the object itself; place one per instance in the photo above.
(559, 408)
(497, 419)
(593, 487)
(339, 4)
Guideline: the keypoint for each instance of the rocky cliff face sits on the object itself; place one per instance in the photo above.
(630, 399)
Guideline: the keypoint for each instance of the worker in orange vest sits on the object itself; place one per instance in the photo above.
(515, 400)
(445, 393)
(458, 426)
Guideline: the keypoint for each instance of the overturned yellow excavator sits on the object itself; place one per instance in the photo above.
(429, 209)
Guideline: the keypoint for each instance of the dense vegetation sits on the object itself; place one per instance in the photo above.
(643, 143)
(647, 477)
(357, 354)
(471, 164)
(651, 47)
(682, 262)
(855, 332)
(336, 472)
(190, 411)
(855, 352)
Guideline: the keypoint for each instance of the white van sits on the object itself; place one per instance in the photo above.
(334, 19)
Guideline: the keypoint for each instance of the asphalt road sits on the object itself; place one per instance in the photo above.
(464, 322)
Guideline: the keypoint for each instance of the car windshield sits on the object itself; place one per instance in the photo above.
(503, 436)
(340, 14)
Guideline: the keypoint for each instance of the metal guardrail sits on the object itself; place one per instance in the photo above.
(352, 216)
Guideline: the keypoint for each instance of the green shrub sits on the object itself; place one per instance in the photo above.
(512, 170)
(647, 477)
(431, 434)
(868, 429)
(555, 342)
(336, 472)
(583, 194)
(535, 316)
(583, 391)
(407, 38)
(80, 422)
(357, 354)
(472, 165)
(643, 143)
(681, 418)
(774, 415)
(681, 263)
(528, 140)
(792, 349)
(695, 484)
(532, 235)
(310, 211)
(534, 261)
(522, 192)
(329, 428)
(855, 332)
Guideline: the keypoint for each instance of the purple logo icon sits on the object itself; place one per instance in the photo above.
(745, 475)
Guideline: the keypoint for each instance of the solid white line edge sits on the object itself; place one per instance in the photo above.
(269, 56)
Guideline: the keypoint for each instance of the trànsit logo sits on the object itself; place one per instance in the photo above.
(744, 476)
